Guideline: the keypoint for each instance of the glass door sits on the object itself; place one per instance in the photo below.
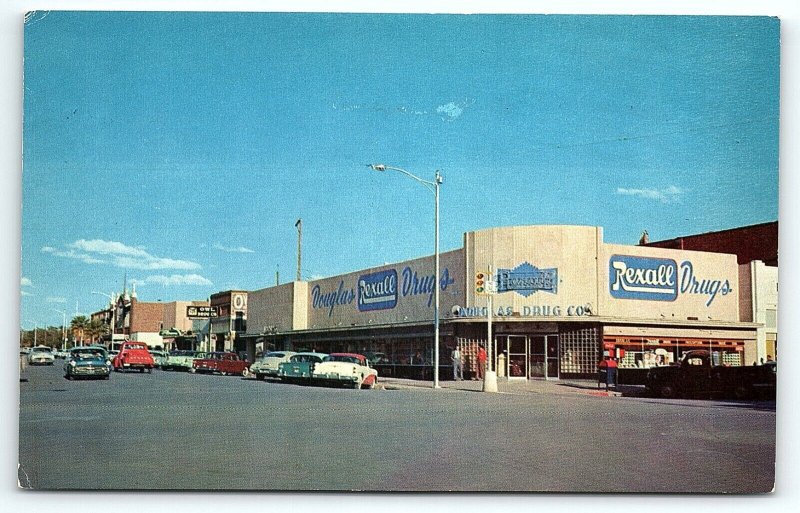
(538, 360)
(517, 357)
(551, 343)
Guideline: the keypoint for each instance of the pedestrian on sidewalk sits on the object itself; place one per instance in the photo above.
(458, 366)
(607, 369)
(481, 362)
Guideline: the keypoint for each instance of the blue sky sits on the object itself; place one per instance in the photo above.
(179, 149)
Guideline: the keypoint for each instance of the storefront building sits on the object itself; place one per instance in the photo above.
(564, 297)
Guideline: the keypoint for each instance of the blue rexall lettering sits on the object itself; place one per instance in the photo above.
(690, 284)
(414, 285)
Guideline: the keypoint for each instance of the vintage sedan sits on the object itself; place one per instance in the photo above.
(180, 359)
(267, 365)
(345, 369)
(225, 363)
(41, 355)
(133, 355)
(159, 357)
(87, 362)
(300, 367)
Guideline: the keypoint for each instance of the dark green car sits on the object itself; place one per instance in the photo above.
(87, 362)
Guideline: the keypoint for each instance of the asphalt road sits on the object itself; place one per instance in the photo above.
(178, 431)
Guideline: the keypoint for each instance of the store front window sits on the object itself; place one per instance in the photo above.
(645, 353)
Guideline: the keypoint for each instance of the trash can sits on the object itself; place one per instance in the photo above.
(501, 366)
(602, 377)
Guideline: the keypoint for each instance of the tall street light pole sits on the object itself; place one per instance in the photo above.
(434, 187)
(63, 328)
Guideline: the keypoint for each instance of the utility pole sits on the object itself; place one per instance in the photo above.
(299, 226)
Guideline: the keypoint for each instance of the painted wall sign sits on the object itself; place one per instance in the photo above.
(526, 279)
(529, 311)
(331, 299)
(414, 284)
(658, 279)
(652, 279)
(377, 291)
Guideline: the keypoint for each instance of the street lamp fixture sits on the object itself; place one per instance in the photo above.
(433, 187)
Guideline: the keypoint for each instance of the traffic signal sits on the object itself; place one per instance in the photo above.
(480, 283)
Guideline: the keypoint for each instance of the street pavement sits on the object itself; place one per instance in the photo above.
(178, 431)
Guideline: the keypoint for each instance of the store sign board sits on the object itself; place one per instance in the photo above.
(377, 291)
(659, 279)
(201, 312)
(526, 279)
(652, 279)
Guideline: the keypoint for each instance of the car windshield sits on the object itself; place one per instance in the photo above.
(136, 346)
(88, 354)
(273, 355)
(343, 358)
(41, 350)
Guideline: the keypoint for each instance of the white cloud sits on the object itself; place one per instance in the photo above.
(178, 279)
(240, 249)
(669, 195)
(451, 110)
(56, 300)
(25, 282)
(98, 251)
(23, 293)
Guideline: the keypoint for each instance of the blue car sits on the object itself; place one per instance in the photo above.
(87, 362)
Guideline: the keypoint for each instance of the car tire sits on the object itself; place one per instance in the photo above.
(667, 391)
(68, 376)
(245, 373)
(260, 377)
(358, 383)
(192, 370)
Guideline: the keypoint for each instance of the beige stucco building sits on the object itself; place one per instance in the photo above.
(564, 296)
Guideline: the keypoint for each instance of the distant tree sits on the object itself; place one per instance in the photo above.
(95, 330)
(78, 327)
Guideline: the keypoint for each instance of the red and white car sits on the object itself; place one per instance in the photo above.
(345, 369)
(133, 355)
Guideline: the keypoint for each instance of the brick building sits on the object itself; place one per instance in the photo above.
(748, 243)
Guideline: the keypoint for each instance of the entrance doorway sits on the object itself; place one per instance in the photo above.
(528, 356)
(543, 354)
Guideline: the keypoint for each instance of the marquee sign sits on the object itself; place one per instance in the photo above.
(526, 279)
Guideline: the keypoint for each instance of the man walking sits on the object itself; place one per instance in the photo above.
(458, 368)
(481, 362)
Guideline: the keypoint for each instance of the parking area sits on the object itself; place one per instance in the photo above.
(181, 431)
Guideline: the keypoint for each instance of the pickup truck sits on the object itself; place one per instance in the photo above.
(225, 363)
(695, 375)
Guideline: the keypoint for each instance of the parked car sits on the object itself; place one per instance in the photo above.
(133, 355)
(300, 367)
(267, 365)
(180, 360)
(58, 353)
(159, 357)
(345, 369)
(87, 362)
(225, 363)
(41, 355)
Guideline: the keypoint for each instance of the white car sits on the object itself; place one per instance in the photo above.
(267, 365)
(41, 355)
(345, 369)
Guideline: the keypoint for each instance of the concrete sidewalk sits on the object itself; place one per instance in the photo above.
(506, 386)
